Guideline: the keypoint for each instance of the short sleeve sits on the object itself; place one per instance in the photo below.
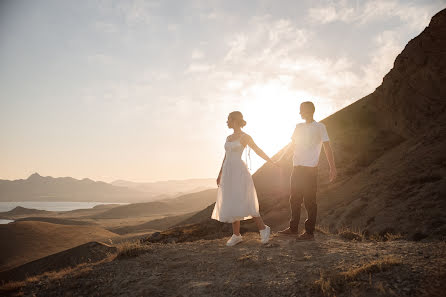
(324, 134)
(293, 137)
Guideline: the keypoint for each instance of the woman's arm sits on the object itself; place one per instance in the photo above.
(219, 174)
(249, 141)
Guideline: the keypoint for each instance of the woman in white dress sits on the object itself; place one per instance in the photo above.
(236, 195)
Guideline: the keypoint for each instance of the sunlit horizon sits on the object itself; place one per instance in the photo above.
(140, 91)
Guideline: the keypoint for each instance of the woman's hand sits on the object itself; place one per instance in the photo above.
(218, 180)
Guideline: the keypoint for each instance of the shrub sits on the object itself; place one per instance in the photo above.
(129, 249)
(332, 284)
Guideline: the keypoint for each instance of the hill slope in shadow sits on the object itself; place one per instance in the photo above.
(25, 241)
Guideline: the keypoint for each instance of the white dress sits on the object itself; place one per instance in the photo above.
(236, 195)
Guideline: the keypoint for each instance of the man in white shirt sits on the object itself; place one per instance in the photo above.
(307, 141)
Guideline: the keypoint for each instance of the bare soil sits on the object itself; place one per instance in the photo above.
(328, 266)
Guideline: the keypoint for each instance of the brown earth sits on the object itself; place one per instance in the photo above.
(22, 212)
(152, 225)
(329, 266)
(54, 221)
(89, 252)
(22, 242)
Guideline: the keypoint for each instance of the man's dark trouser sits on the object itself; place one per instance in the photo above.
(303, 187)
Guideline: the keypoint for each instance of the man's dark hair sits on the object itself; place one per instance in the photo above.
(309, 104)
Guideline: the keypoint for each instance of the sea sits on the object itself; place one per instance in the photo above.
(50, 206)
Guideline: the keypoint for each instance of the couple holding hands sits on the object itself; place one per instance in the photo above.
(236, 195)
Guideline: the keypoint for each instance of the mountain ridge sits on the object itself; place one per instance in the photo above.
(47, 188)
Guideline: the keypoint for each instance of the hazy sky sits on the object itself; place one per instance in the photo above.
(140, 90)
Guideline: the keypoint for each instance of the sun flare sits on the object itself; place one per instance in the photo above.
(272, 112)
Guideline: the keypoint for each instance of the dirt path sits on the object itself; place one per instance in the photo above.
(328, 266)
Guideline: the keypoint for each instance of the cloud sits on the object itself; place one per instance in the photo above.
(105, 27)
(234, 84)
(212, 15)
(278, 53)
(101, 59)
(278, 50)
(194, 68)
(334, 79)
(237, 47)
(132, 12)
(173, 27)
(387, 46)
(337, 11)
(138, 11)
(197, 54)
(266, 40)
(415, 15)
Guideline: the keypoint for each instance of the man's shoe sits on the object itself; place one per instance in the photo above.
(234, 240)
(264, 234)
(305, 236)
(288, 231)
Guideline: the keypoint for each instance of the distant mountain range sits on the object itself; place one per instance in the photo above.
(169, 187)
(47, 188)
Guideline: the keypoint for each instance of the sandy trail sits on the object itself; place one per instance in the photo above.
(282, 267)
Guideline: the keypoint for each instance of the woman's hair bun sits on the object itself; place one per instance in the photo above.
(238, 117)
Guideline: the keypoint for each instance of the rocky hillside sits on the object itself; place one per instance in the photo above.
(390, 152)
(399, 184)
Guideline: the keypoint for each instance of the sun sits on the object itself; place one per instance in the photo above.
(272, 112)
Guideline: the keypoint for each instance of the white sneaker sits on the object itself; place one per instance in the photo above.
(264, 234)
(234, 240)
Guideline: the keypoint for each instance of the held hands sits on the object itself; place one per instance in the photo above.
(333, 174)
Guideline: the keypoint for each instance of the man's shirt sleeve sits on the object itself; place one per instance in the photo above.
(293, 137)
(324, 134)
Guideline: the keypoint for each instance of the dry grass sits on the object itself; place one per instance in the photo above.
(385, 237)
(12, 286)
(359, 235)
(130, 249)
(351, 234)
(322, 229)
(331, 284)
(372, 267)
(52, 275)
